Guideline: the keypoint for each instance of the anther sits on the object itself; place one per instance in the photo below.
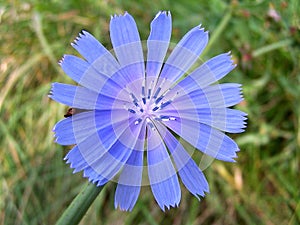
(129, 109)
(150, 124)
(159, 88)
(144, 92)
(150, 89)
(138, 121)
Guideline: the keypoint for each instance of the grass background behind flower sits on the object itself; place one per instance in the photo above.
(261, 188)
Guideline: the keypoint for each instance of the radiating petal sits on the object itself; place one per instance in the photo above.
(83, 98)
(205, 138)
(98, 57)
(127, 45)
(228, 120)
(129, 183)
(190, 174)
(126, 196)
(74, 96)
(89, 47)
(192, 177)
(214, 96)
(86, 75)
(76, 128)
(98, 149)
(157, 44)
(185, 54)
(162, 175)
(208, 73)
(110, 163)
(64, 132)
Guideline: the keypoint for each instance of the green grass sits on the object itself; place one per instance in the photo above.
(261, 188)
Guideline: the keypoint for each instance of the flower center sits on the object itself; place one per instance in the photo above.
(149, 104)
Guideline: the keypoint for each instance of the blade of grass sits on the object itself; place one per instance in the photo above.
(218, 31)
(263, 50)
(16, 74)
(37, 26)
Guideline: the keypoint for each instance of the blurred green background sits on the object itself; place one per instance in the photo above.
(261, 188)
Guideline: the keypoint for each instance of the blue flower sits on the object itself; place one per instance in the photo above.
(129, 114)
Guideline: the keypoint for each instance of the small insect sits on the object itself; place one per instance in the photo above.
(70, 112)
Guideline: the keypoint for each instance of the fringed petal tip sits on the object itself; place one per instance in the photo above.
(50, 94)
(60, 62)
(164, 13)
(201, 28)
(81, 34)
(230, 56)
(201, 194)
(123, 209)
(168, 207)
(119, 15)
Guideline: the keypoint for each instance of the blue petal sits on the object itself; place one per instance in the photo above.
(190, 174)
(86, 75)
(64, 132)
(129, 183)
(158, 43)
(228, 120)
(94, 138)
(109, 164)
(128, 48)
(205, 138)
(208, 73)
(98, 57)
(214, 96)
(162, 175)
(104, 157)
(94, 133)
(83, 98)
(78, 162)
(75, 129)
(126, 196)
(74, 96)
(193, 178)
(184, 55)
(89, 47)
(81, 156)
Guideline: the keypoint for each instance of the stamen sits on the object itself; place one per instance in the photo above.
(150, 89)
(143, 87)
(157, 92)
(132, 111)
(134, 99)
(143, 92)
(155, 108)
(159, 88)
(169, 101)
(150, 124)
(165, 118)
(138, 121)
(161, 97)
(163, 105)
(129, 109)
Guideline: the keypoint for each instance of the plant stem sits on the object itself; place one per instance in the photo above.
(271, 47)
(79, 206)
(218, 31)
